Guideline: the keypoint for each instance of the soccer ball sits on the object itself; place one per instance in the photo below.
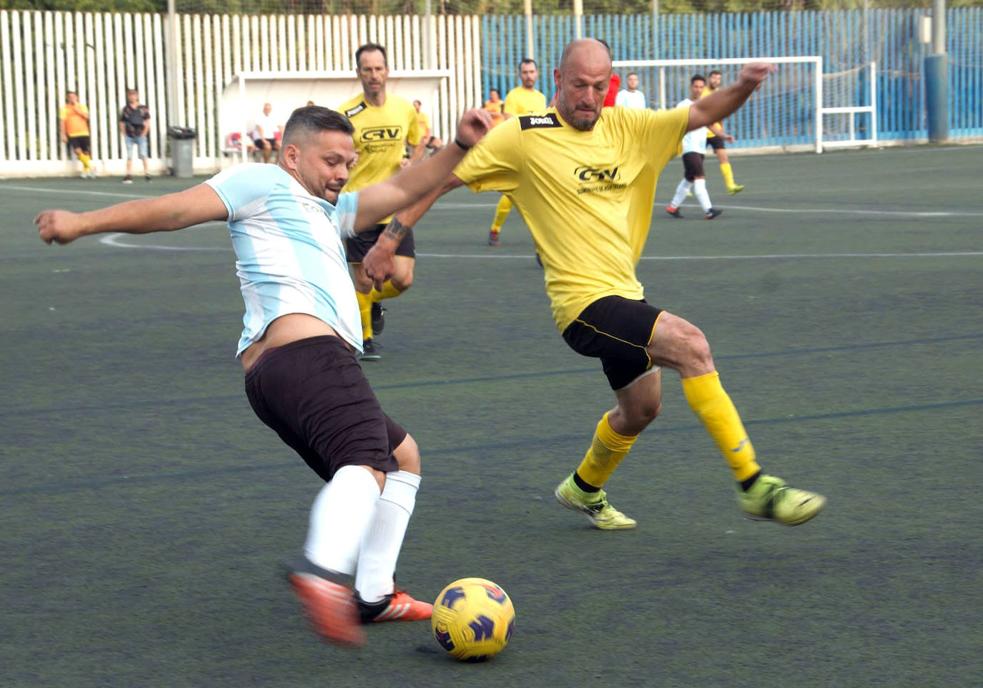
(473, 619)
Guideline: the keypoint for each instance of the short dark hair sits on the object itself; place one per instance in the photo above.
(368, 48)
(314, 118)
(715, 71)
(528, 60)
(697, 77)
(631, 74)
(131, 90)
(494, 90)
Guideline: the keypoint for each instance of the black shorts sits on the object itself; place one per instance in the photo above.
(360, 244)
(78, 143)
(313, 393)
(259, 143)
(693, 166)
(618, 331)
(715, 142)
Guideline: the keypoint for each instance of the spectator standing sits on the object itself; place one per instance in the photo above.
(134, 126)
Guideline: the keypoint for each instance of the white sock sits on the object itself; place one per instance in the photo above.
(340, 517)
(384, 538)
(681, 191)
(700, 191)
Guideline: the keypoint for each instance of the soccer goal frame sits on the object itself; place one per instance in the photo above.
(820, 110)
(244, 96)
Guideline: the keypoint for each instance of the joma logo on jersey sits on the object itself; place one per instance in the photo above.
(596, 174)
(382, 134)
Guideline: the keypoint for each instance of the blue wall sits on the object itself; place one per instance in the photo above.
(836, 36)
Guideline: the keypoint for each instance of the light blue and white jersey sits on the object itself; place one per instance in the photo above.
(290, 255)
(696, 140)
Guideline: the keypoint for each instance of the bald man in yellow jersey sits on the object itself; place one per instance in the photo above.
(521, 100)
(384, 125)
(716, 138)
(584, 180)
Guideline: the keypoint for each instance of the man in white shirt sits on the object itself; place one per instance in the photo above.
(631, 97)
(694, 146)
(299, 346)
(266, 130)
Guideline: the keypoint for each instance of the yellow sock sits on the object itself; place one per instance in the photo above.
(709, 401)
(365, 312)
(606, 451)
(501, 213)
(86, 161)
(728, 174)
(389, 291)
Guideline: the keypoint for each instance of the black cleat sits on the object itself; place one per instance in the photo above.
(712, 213)
(370, 352)
(378, 318)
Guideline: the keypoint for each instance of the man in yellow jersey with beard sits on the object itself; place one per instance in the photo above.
(384, 125)
(584, 180)
(716, 138)
(521, 100)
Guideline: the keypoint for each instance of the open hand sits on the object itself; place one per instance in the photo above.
(756, 72)
(58, 226)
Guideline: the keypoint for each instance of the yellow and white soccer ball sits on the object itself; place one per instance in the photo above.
(473, 619)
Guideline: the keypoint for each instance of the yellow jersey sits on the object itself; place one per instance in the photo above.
(75, 120)
(423, 123)
(522, 101)
(586, 195)
(495, 109)
(707, 91)
(381, 135)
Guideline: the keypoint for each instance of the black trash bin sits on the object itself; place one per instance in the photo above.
(182, 143)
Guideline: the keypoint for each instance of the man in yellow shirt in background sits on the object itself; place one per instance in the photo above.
(384, 125)
(584, 179)
(428, 140)
(521, 100)
(75, 131)
(716, 137)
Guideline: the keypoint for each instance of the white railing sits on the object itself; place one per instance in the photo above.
(45, 54)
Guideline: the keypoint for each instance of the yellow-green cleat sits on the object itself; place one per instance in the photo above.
(594, 504)
(770, 499)
(735, 189)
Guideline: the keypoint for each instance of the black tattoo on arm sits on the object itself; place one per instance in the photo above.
(396, 230)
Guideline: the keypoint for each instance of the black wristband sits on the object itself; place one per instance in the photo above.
(463, 146)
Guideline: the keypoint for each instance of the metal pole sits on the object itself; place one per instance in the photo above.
(656, 48)
(427, 35)
(170, 56)
(578, 19)
(530, 40)
(936, 79)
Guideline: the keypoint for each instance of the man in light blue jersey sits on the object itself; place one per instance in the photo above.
(299, 346)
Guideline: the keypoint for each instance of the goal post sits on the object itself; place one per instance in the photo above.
(795, 108)
(243, 97)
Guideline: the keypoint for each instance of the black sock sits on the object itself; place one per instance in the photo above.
(586, 487)
(746, 484)
(369, 610)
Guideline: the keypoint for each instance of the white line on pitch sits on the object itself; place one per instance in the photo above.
(469, 206)
(114, 241)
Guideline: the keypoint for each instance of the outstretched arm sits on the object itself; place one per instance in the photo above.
(378, 262)
(415, 182)
(725, 101)
(165, 213)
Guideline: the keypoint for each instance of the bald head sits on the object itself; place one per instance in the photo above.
(582, 82)
(585, 50)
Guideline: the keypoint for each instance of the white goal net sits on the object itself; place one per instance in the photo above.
(798, 107)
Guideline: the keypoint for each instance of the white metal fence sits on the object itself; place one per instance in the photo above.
(99, 55)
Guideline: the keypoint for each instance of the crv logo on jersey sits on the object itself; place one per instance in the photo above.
(596, 174)
(376, 134)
